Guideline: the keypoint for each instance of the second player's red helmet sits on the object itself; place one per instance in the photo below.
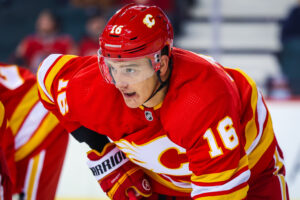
(136, 31)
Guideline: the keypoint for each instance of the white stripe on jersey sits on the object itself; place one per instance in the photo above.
(30, 125)
(261, 116)
(277, 159)
(178, 184)
(27, 177)
(38, 174)
(47, 63)
(281, 180)
(29, 191)
(1, 189)
(242, 178)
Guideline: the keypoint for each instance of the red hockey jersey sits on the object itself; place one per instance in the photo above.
(33, 126)
(203, 140)
(6, 169)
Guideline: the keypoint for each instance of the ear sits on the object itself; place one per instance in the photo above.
(164, 65)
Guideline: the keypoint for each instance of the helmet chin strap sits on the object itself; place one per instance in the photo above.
(162, 83)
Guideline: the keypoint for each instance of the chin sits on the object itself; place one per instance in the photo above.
(131, 104)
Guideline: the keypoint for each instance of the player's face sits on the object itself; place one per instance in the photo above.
(135, 79)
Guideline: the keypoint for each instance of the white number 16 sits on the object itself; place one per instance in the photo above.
(62, 97)
(228, 136)
(116, 29)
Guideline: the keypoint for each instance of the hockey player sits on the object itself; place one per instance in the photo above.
(196, 129)
(40, 142)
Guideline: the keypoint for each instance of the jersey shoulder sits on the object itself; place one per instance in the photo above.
(200, 94)
(65, 83)
(199, 79)
(52, 68)
(12, 77)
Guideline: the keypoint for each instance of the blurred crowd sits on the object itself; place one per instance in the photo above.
(48, 37)
(287, 85)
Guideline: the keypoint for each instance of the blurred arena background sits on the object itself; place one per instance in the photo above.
(245, 34)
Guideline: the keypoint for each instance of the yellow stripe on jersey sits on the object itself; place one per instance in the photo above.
(283, 187)
(23, 108)
(41, 75)
(43, 95)
(48, 124)
(55, 69)
(265, 142)
(239, 194)
(257, 143)
(251, 128)
(32, 177)
(47, 72)
(2, 113)
(222, 176)
(33, 174)
(166, 183)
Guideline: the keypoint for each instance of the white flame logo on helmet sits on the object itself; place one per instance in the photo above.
(149, 23)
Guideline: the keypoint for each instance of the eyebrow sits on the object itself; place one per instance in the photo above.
(129, 65)
(122, 65)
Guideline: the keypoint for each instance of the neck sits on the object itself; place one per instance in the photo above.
(157, 98)
(160, 95)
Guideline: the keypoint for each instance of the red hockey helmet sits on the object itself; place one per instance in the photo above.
(135, 31)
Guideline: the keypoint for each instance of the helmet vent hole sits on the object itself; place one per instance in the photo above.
(134, 38)
(114, 35)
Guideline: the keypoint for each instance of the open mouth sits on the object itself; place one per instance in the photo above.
(129, 94)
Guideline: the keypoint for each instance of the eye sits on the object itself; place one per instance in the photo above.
(129, 70)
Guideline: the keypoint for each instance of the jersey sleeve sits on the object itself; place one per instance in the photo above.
(216, 155)
(53, 77)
